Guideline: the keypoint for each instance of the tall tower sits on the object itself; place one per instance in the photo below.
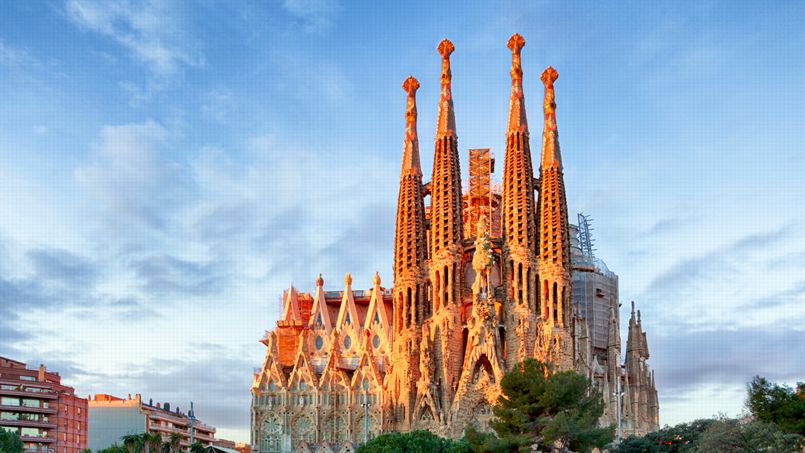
(556, 343)
(410, 267)
(446, 235)
(519, 223)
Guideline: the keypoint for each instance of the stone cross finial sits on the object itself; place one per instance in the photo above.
(348, 279)
(445, 117)
(516, 42)
(410, 85)
(319, 281)
(549, 75)
(376, 279)
(445, 49)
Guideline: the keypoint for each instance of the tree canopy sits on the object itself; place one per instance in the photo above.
(413, 442)
(778, 404)
(10, 442)
(545, 409)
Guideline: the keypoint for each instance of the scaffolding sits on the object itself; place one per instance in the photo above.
(585, 236)
(479, 201)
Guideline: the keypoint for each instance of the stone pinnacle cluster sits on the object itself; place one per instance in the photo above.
(429, 353)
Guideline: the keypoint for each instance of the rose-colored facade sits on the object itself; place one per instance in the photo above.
(47, 415)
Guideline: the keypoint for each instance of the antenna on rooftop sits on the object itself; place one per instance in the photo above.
(586, 241)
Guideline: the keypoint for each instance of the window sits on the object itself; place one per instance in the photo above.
(9, 401)
(319, 342)
(376, 342)
(347, 342)
(27, 378)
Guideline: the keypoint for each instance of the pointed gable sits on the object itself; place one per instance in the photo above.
(377, 319)
(303, 369)
(319, 314)
(348, 323)
(290, 309)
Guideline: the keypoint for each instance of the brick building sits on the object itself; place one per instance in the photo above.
(47, 415)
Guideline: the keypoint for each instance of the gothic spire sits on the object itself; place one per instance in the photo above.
(518, 175)
(554, 227)
(446, 205)
(519, 224)
(409, 249)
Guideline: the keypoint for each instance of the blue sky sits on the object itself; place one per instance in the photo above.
(166, 169)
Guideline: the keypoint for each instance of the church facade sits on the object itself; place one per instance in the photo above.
(468, 303)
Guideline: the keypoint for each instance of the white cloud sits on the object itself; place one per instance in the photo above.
(316, 15)
(10, 56)
(150, 30)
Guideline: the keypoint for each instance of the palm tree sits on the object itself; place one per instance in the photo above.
(151, 442)
(166, 447)
(133, 443)
(197, 448)
(175, 441)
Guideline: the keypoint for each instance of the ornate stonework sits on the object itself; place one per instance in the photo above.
(429, 353)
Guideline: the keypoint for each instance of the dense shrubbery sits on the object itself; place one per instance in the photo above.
(776, 424)
(414, 442)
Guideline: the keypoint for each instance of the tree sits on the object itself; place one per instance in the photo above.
(413, 442)
(113, 449)
(683, 437)
(543, 409)
(196, 447)
(133, 443)
(151, 442)
(729, 435)
(778, 404)
(174, 442)
(10, 442)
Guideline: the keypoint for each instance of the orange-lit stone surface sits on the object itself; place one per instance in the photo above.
(467, 304)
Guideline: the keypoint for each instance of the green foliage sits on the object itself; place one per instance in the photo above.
(670, 439)
(561, 409)
(113, 449)
(730, 435)
(133, 443)
(778, 404)
(413, 442)
(10, 442)
(196, 448)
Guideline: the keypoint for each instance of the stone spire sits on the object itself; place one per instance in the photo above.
(446, 236)
(409, 242)
(554, 229)
(519, 222)
(410, 267)
(446, 221)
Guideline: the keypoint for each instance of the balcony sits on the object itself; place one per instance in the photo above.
(29, 410)
(29, 394)
(40, 439)
(28, 424)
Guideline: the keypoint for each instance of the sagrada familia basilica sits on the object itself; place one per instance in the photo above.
(482, 280)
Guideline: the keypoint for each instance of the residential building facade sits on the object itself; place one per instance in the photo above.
(111, 418)
(46, 414)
